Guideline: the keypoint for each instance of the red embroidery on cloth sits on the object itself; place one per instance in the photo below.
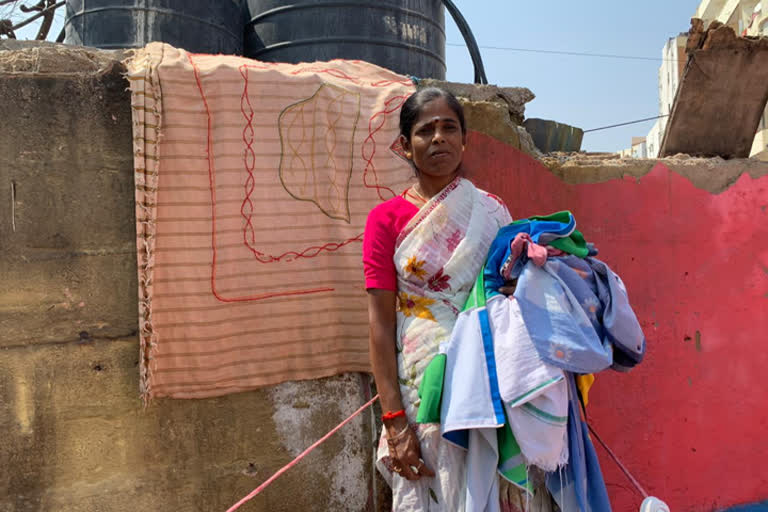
(246, 210)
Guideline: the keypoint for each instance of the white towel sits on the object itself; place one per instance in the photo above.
(535, 394)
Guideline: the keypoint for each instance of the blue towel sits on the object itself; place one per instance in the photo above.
(580, 485)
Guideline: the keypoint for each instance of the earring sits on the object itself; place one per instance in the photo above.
(408, 155)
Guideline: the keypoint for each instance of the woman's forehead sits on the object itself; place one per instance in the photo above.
(435, 111)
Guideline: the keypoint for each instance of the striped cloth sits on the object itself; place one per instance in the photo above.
(253, 182)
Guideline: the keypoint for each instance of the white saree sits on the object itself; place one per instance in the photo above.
(437, 257)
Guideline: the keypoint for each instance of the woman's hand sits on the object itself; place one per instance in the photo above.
(508, 288)
(405, 450)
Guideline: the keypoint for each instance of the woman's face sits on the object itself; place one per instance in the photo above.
(437, 142)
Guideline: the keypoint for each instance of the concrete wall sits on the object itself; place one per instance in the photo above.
(689, 237)
(75, 435)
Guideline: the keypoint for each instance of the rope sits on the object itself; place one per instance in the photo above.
(618, 463)
(338, 427)
(303, 454)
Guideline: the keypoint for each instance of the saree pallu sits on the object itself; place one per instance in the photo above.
(437, 257)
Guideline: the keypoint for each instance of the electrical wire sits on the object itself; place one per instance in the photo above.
(576, 54)
(627, 123)
(585, 54)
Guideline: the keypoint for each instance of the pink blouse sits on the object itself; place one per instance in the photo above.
(384, 224)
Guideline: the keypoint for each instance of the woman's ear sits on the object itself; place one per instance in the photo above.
(405, 143)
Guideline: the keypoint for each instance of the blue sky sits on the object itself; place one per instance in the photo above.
(588, 92)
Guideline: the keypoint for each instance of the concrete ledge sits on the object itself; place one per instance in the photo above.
(712, 174)
(52, 59)
(495, 111)
(514, 98)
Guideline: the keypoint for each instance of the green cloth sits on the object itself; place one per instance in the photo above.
(511, 462)
(477, 298)
(431, 390)
(574, 244)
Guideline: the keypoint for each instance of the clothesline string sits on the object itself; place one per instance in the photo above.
(338, 427)
(618, 463)
(303, 454)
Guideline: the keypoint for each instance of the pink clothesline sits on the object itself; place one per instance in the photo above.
(338, 427)
(303, 454)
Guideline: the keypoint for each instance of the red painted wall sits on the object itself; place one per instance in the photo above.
(691, 422)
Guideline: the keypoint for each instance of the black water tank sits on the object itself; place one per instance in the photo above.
(199, 26)
(406, 36)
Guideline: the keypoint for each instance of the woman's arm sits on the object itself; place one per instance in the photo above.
(382, 324)
(403, 443)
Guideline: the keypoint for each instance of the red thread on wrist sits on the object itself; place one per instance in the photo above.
(392, 415)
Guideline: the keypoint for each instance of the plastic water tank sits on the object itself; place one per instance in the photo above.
(406, 36)
(199, 26)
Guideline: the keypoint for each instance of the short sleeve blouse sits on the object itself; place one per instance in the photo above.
(384, 224)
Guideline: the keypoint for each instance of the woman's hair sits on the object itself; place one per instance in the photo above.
(411, 109)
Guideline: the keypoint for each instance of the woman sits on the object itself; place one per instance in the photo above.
(422, 251)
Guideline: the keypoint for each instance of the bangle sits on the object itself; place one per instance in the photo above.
(391, 440)
(392, 415)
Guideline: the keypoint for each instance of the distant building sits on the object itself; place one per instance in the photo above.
(639, 149)
(655, 136)
(745, 17)
(670, 74)
(671, 71)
